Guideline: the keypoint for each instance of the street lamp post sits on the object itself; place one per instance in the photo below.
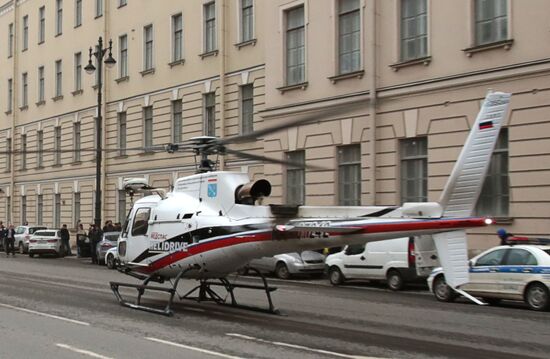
(90, 68)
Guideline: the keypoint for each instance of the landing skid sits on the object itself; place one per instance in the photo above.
(201, 293)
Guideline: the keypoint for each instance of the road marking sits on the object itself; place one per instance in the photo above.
(44, 314)
(301, 347)
(192, 348)
(82, 351)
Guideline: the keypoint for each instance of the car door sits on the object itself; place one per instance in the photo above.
(518, 266)
(485, 273)
(354, 261)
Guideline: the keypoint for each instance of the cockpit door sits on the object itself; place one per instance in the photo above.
(135, 237)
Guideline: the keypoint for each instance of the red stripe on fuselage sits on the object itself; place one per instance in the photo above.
(435, 224)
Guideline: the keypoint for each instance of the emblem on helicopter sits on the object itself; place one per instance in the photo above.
(212, 187)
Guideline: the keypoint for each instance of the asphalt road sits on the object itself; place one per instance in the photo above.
(64, 308)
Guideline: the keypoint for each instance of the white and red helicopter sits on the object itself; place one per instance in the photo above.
(209, 225)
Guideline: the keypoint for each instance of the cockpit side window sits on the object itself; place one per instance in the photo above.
(141, 222)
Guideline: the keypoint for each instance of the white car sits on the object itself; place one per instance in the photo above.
(111, 258)
(288, 264)
(46, 241)
(23, 235)
(511, 272)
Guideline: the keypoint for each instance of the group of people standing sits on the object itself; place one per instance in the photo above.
(7, 236)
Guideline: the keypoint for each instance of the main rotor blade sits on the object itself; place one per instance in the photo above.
(300, 120)
(251, 156)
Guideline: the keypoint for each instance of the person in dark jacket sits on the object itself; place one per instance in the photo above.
(95, 235)
(3, 235)
(65, 239)
(10, 241)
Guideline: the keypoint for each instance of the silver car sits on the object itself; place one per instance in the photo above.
(108, 241)
(288, 264)
(47, 241)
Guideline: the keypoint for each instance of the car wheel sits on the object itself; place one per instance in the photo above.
(492, 301)
(21, 248)
(536, 297)
(31, 255)
(395, 280)
(335, 276)
(442, 291)
(281, 271)
(110, 261)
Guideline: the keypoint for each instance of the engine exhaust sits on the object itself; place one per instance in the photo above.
(252, 191)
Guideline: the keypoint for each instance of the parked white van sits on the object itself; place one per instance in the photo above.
(392, 260)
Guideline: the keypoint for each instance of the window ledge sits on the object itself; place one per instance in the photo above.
(56, 35)
(208, 54)
(95, 87)
(8, 112)
(419, 61)
(98, 16)
(24, 108)
(121, 157)
(121, 5)
(40, 103)
(122, 79)
(77, 26)
(76, 163)
(25, 49)
(56, 165)
(504, 44)
(40, 42)
(301, 86)
(251, 42)
(148, 72)
(40, 167)
(147, 153)
(77, 92)
(357, 74)
(57, 98)
(503, 220)
(176, 63)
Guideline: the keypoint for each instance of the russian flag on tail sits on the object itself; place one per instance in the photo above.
(483, 125)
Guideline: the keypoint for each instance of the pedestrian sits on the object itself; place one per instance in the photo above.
(3, 235)
(65, 239)
(95, 237)
(10, 241)
(108, 227)
(118, 227)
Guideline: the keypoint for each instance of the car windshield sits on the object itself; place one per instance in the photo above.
(112, 237)
(46, 234)
(34, 229)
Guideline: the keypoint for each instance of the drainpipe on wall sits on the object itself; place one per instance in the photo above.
(222, 74)
(372, 74)
(15, 101)
(106, 87)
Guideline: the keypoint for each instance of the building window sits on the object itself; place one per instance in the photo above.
(495, 194)
(58, 17)
(247, 108)
(76, 141)
(295, 46)
(148, 127)
(177, 37)
(10, 40)
(76, 208)
(23, 152)
(25, 32)
(23, 209)
(58, 78)
(121, 206)
(10, 95)
(491, 21)
(98, 8)
(41, 24)
(176, 121)
(24, 90)
(41, 94)
(414, 170)
(295, 178)
(123, 56)
(209, 124)
(57, 146)
(39, 148)
(122, 133)
(414, 29)
(8, 209)
(349, 36)
(247, 20)
(77, 13)
(78, 71)
(8, 157)
(57, 211)
(210, 26)
(39, 209)
(349, 175)
(148, 47)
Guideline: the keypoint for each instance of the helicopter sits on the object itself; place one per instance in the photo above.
(212, 223)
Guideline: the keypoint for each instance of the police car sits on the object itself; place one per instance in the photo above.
(513, 272)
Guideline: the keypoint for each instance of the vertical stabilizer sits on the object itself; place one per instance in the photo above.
(452, 250)
(462, 190)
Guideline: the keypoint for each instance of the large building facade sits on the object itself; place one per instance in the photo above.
(394, 84)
